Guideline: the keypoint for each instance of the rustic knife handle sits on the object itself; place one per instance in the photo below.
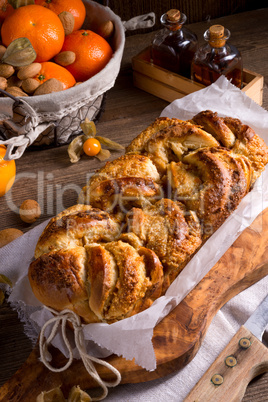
(243, 358)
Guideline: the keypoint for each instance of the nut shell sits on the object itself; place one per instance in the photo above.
(67, 20)
(29, 71)
(30, 85)
(30, 211)
(2, 51)
(3, 83)
(15, 91)
(6, 70)
(8, 235)
(14, 81)
(49, 86)
(106, 29)
(65, 58)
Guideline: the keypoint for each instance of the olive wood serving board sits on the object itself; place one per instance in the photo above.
(177, 337)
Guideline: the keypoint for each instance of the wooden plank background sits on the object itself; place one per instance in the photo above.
(195, 10)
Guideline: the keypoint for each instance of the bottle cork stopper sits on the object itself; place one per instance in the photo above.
(173, 15)
(216, 36)
(216, 31)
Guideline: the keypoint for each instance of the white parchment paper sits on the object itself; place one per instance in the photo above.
(132, 337)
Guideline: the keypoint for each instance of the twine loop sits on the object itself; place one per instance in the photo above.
(60, 319)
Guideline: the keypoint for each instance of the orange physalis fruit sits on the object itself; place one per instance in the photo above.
(91, 146)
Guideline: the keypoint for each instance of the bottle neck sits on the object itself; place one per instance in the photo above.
(173, 25)
(219, 50)
(217, 43)
(217, 36)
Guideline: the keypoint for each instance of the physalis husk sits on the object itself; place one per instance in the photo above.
(56, 395)
(75, 148)
(19, 53)
(4, 279)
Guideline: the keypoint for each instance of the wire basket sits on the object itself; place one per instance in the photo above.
(54, 119)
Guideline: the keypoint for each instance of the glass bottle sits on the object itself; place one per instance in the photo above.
(174, 46)
(217, 58)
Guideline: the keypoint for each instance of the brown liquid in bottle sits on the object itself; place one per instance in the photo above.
(173, 47)
(217, 58)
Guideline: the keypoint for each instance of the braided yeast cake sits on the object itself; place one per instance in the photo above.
(143, 215)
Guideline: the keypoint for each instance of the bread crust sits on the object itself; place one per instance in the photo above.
(138, 143)
(133, 176)
(76, 226)
(215, 125)
(249, 144)
(59, 280)
(233, 134)
(225, 178)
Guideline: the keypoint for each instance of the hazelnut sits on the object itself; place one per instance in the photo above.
(8, 235)
(67, 20)
(106, 29)
(30, 211)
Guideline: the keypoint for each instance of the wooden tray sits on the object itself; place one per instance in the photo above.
(177, 337)
(170, 86)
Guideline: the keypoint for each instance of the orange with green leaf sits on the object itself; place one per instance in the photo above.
(53, 70)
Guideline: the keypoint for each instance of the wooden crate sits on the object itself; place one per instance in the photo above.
(170, 86)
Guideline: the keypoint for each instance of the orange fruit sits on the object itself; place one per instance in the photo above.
(91, 147)
(92, 53)
(41, 26)
(5, 9)
(75, 7)
(53, 70)
(7, 172)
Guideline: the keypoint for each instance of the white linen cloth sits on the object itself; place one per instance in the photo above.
(15, 261)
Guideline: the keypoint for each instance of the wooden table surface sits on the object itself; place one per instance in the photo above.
(127, 111)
